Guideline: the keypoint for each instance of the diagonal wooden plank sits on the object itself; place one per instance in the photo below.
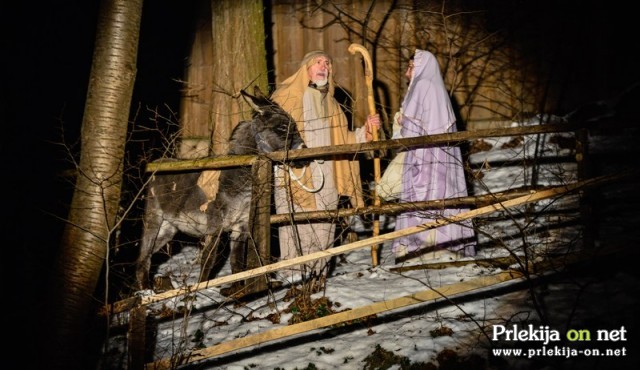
(356, 313)
(534, 196)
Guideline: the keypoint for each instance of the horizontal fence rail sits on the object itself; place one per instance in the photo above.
(227, 161)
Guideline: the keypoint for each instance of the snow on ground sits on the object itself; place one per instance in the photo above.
(599, 296)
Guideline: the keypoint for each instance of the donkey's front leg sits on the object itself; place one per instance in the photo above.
(238, 257)
(212, 255)
(238, 262)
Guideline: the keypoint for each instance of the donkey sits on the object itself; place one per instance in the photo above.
(173, 201)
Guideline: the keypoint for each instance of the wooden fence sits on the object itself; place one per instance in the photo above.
(255, 275)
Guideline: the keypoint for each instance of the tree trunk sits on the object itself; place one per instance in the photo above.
(239, 61)
(96, 199)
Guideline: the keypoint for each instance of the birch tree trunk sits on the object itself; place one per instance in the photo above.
(95, 202)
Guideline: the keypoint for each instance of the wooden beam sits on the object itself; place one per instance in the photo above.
(259, 245)
(136, 338)
(348, 150)
(337, 318)
(395, 207)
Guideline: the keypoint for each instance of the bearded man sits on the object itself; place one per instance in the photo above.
(308, 96)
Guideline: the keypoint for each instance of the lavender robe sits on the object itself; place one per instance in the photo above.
(431, 173)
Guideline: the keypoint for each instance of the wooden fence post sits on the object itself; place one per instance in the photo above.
(259, 244)
(136, 338)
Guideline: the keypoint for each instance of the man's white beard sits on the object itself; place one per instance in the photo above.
(321, 83)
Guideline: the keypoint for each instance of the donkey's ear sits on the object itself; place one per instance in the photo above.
(252, 100)
(258, 93)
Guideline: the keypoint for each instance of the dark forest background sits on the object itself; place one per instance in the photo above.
(46, 57)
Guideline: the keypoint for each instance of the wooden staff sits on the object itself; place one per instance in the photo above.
(368, 76)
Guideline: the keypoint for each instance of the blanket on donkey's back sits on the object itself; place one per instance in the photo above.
(209, 183)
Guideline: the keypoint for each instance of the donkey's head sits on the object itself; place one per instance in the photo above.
(273, 128)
